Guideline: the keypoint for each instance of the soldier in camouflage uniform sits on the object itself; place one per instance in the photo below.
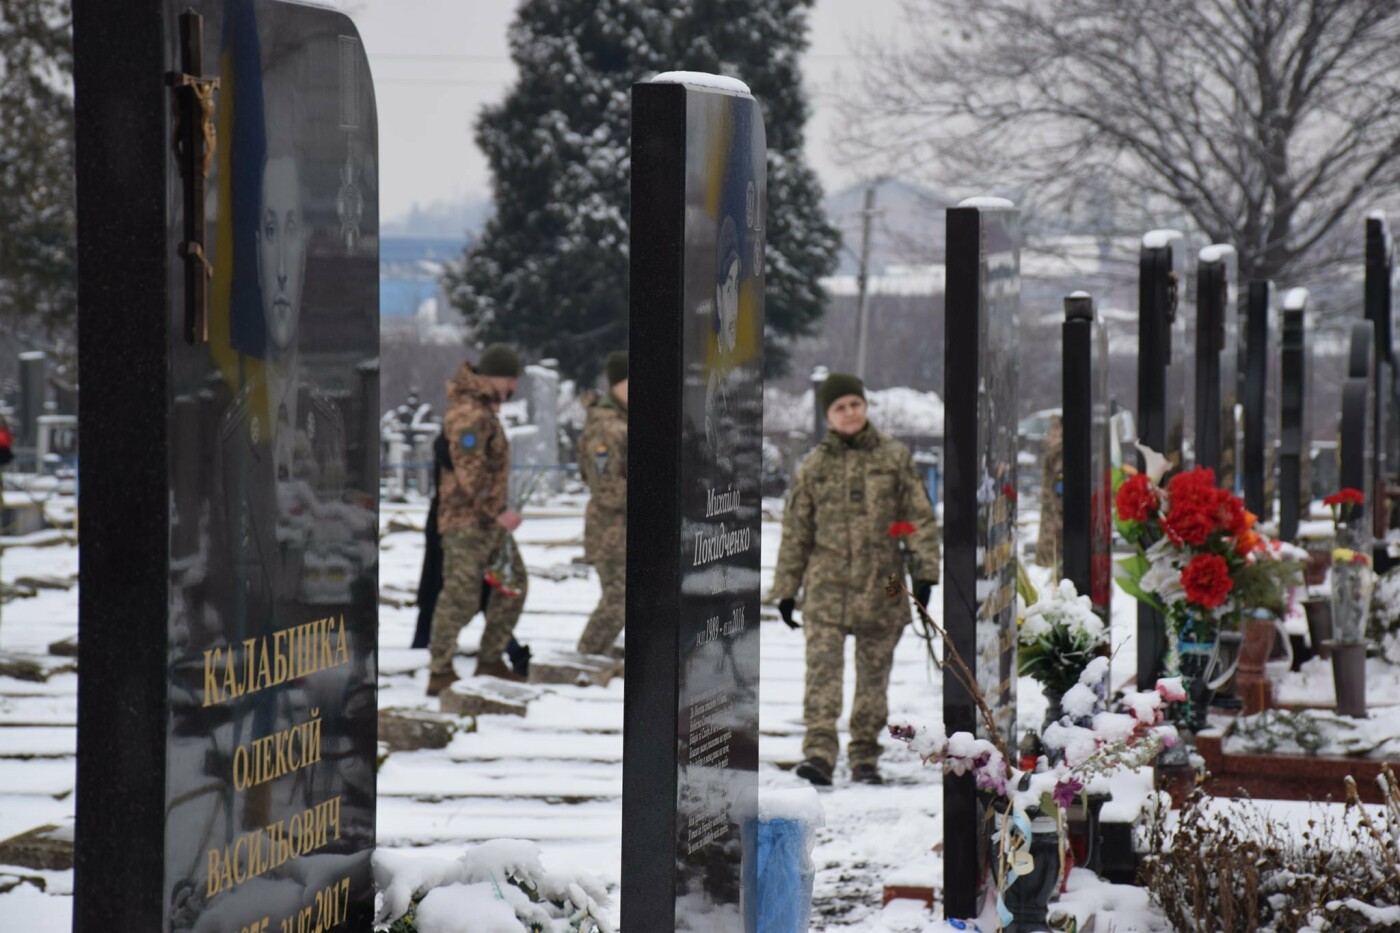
(602, 459)
(1052, 490)
(855, 498)
(474, 519)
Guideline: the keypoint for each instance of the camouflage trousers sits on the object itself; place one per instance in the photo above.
(821, 705)
(466, 553)
(611, 612)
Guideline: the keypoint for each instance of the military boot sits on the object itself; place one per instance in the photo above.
(816, 770)
(440, 682)
(866, 774)
(496, 668)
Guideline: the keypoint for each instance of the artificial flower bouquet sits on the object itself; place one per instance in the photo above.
(1199, 559)
(1058, 636)
(1353, 578)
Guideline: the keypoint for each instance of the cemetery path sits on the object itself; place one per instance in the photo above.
(553, 776)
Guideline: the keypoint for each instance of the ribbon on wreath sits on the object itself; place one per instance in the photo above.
(1015, 856)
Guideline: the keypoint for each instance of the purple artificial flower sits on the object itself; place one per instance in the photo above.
(1065, 791)
(902, 731)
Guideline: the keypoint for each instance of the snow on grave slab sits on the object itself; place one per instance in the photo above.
(21, 813)
(449, 780)
(40, 777)
(409, 822)
(38, 742)
(571, 667)
(487, 696)
(42, 710)
(500, 740)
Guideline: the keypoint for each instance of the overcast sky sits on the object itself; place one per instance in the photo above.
(436, 62)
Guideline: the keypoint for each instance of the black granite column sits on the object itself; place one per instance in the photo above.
(1294, 435)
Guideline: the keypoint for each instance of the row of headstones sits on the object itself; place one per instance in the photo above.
(1249, 358)
(185, 673)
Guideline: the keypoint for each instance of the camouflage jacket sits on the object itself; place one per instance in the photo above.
(474, 491)
(838, 545)
(602, 460)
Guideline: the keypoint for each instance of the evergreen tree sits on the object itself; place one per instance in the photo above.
(549, 271)
(38, 265)
(761, 43)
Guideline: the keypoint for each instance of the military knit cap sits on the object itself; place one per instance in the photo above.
(616, 367)
(499, 360)
(838, 385)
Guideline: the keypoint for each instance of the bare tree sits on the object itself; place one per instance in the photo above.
(1265, 123)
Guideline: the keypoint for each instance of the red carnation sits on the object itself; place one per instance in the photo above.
(1207, 580)
(1008, 491)
(1189, 526)
(1137, 500)
(901, 529)
(1194, 489)
(1347, 496)
(1232, 513)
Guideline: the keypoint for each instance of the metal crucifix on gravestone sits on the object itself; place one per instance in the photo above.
(979, 510)
(228, 610)
(690, 742)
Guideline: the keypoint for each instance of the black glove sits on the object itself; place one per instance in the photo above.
(785, 608)
(922, 591)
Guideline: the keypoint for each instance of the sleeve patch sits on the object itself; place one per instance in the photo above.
(470, 442)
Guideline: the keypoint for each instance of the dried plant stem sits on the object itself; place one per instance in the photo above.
(1354, 800)
(960, 670)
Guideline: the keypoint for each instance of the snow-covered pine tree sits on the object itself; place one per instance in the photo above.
(761, 42)
(38, 274)
(549, 272)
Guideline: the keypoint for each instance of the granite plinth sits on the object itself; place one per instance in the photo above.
(487, 696)
(1285, 777)
(411, 729)
(571, 667)
(46, 848)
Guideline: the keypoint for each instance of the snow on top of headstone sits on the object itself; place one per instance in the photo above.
(1080, 294)
(1156, 239)
(986, 203)
(801, 804)
(703, 79)
(1376, 214)
(1216, 252)
(1295, 299)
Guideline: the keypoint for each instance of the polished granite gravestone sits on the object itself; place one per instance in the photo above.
(1385, 411)
(1163, 389)
(1088, 478)
(979, 504)
(1356, 454)
(1217, 363)
(1295, 430)
(229, 483)
(1259, 398)
(690, 742)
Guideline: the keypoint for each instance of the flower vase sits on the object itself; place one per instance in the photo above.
(1353, 582)
(1054, 706)
(1349, 677)
(1028, 897)
(1319, 612)
(1085, 832)
(1197, 660)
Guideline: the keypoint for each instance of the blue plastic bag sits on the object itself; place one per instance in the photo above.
(785, 876)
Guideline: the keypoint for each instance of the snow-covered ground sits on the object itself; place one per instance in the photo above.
(554, 776)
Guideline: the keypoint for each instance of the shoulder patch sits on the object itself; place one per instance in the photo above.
(470, 441)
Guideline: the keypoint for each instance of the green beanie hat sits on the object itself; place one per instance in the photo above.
(616, 367)
(838, 385)
(499, 360)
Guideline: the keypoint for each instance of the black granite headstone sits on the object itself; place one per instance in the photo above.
(1294, 433)
(1385, 414)
(690, 743)
(1162, 392)
(979, 510)
(1356, 455)
(1259, 398)
(1217, 363)
(1088, 480)
(229, 479)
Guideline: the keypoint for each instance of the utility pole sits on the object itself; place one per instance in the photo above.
(863, 281)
